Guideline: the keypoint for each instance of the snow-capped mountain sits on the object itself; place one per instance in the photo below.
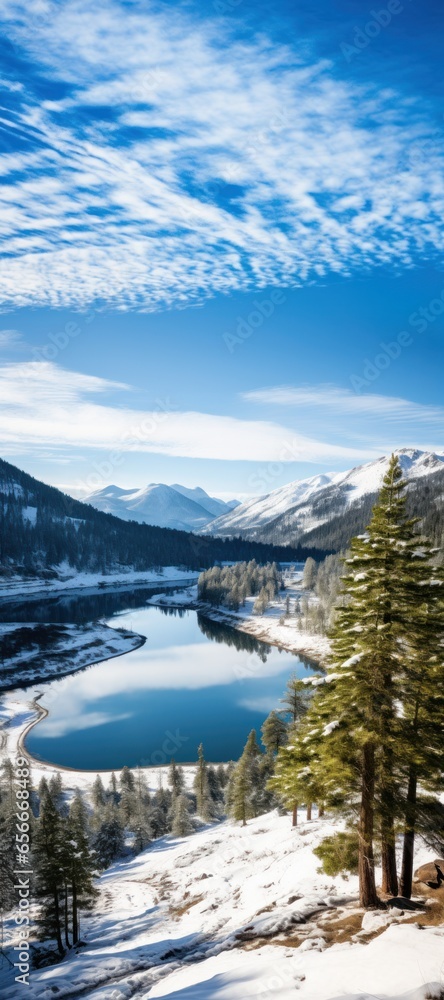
(294, 512)
(165, 506)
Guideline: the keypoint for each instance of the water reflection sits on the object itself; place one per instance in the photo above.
(195, 678)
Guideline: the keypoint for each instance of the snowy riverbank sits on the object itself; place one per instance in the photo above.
(17, 588)
(34, 653)
(272, 627)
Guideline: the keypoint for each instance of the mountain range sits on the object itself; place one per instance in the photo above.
(45, 533)
(326, 510)
(174, 506)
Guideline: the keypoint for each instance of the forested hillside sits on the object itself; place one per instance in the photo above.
(424, 500)
(42, 529)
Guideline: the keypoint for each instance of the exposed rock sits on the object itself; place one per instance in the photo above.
(429, 873)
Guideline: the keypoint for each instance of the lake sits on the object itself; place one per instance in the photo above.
(193, 680)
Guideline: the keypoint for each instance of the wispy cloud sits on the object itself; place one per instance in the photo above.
(43, 407)
(10, 340)
(175, 160)
(345, 402)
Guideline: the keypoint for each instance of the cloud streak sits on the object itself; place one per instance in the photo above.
(45, 408)
(173, 160)
(345, 402)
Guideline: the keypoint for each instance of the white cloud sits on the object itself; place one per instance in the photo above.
(44, 407)
(251, 163)
(345, 402)
(10, 340)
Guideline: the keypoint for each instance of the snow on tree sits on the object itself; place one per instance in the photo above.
(351, 742)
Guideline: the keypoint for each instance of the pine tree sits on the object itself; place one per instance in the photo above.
(48, 860)
(296, 698)
(349, 744)
(245, 793)
(113, 792)
(274, 732)
(201, 787)
(182, 824)
(422, 724)
(141, 825)
(80, 863)
(56, 790)
(293, 780)
(175, 779)
(161, 812)
(8, 850)
(98, 793)
(109, 841)
(309, 574)
(127, 782)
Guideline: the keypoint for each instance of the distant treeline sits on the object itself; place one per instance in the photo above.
(41, 528)
(230, 585)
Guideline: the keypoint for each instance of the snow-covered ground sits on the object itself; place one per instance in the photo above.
(231, 913)
(267, 626)
(19, 588)
(52, 651)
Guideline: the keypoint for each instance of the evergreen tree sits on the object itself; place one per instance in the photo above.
(309, 574)
(127, 782)
(421, 747)
(98, 793)
(221, 775)
(296, 698)
(80, 863)
(245, 793)
(113, 792)
(141, 824)
(274, 732)
(216, 789)
(48, 857)
(349, 744)
(175, 779)
(293, 779)
(182, 824)
(161, 812)
(109, 841)
(204, 804)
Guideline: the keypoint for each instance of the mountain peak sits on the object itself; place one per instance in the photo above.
(290, 512)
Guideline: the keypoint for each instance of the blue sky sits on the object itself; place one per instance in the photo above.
(222, 239)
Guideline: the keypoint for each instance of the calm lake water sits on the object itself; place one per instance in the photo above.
(192, 681)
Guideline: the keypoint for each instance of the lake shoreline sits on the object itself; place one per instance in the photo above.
(265, 628)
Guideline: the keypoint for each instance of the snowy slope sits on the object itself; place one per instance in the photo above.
(179, 921)
(165, 506)
(313, 501)
(212, 504)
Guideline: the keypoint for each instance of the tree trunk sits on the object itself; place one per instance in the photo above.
(75, 924)
(388, 858)
(409, 836)
(66, 916)
(321, 810)
(308, 810)
(388, 840)
(294, 821)
(57, 923)
(366, 863)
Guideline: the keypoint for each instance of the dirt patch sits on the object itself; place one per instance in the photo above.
(177, 911)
